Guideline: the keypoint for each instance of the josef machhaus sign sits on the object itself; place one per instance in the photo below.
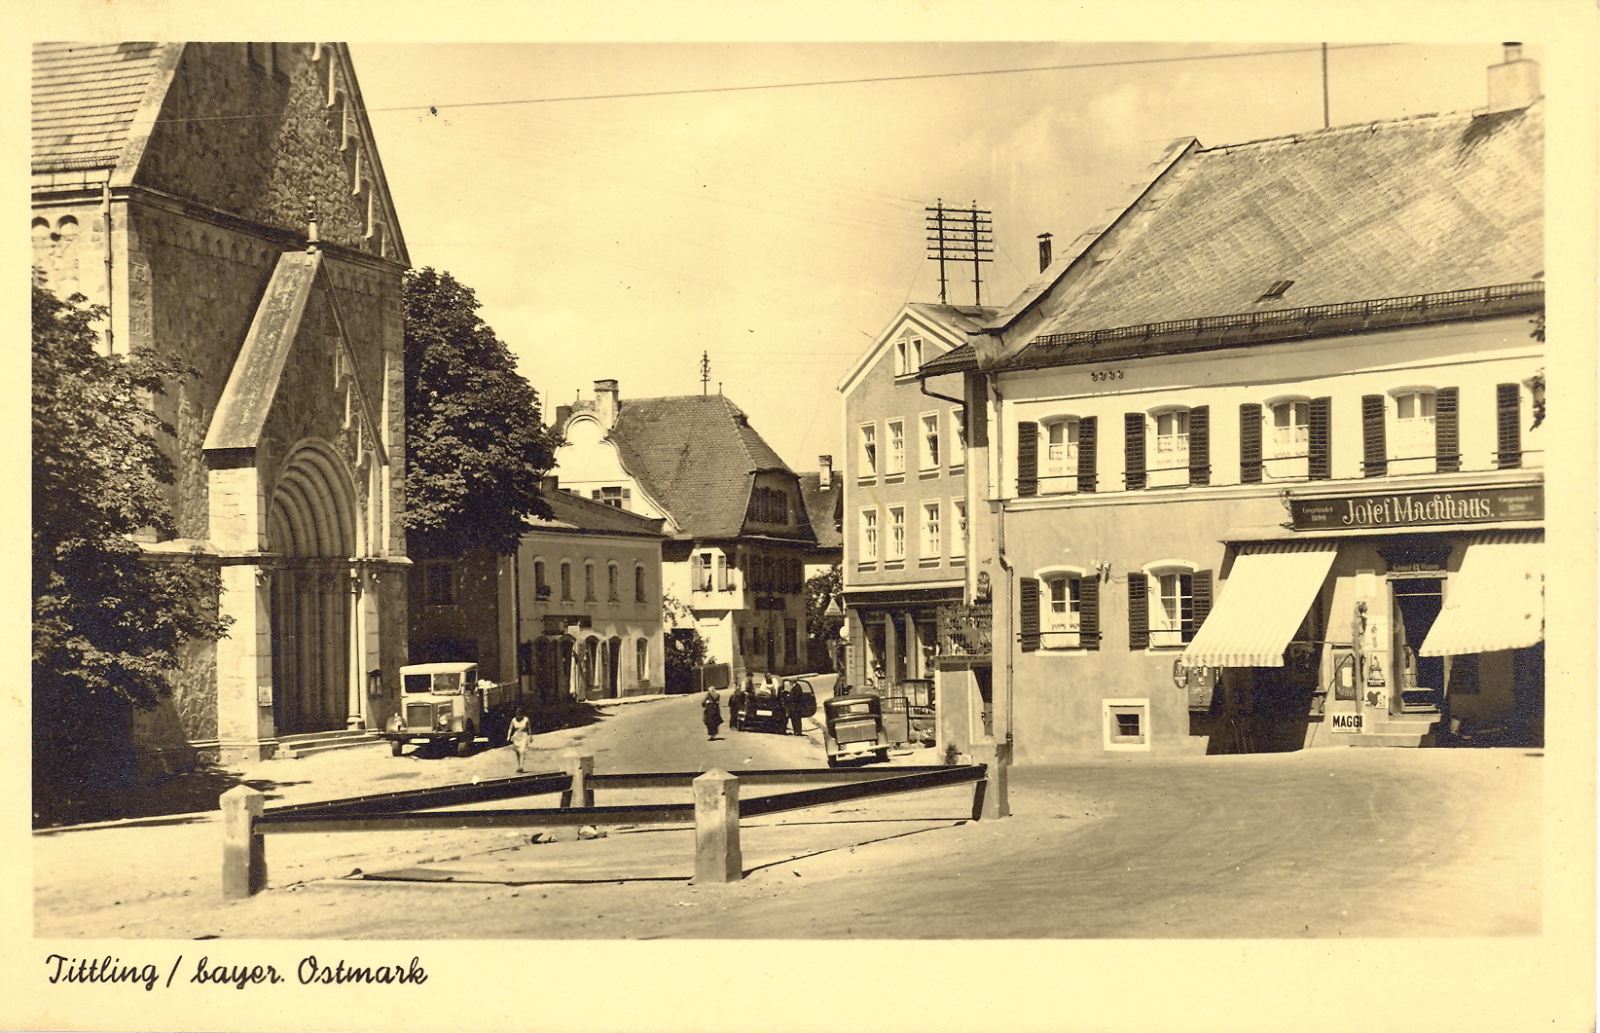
(1414, 508)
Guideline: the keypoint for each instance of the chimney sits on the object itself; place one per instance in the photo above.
(563, 413)
(1044, 251)
(606, 402)
(1514, 83)
(549, 484)
(825, 477)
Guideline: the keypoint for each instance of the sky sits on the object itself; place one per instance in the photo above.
(778, 231)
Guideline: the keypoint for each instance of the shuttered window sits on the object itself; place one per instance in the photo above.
(1028, 592)
(1089, 616)
(1508, 417)
(1202, 604)
(1138, 611)
(1086, 457)
(1133, 450)
(1027, 458)
(1374, 452)
(1200, 445)
(1446, 430)
(1320, 439)
(1249, 443)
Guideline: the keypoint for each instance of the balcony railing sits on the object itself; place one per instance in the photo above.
(965, 630)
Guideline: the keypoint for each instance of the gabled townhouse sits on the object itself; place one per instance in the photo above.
(738, 534)
(573, 614)
(906, 508)
(226, 203)
(1259, 463)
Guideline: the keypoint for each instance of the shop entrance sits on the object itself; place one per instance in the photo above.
(1419, 679)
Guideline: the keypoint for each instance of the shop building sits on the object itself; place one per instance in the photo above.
(573, 614)
(1260, 465)
(226, 203)
(738, 533)
(905, 514)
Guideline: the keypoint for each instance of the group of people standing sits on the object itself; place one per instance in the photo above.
(741, 705)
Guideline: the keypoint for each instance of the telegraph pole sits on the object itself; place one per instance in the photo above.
(705, 374)
(960, 235)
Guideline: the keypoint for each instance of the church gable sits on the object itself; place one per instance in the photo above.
(273, 132)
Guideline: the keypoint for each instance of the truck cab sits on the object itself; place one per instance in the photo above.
(442, 703)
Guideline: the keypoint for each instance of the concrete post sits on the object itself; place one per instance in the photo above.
(580, 766)
(997, 757)
(717, 857)
(244, 853)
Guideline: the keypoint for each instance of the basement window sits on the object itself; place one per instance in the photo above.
(1126, 724)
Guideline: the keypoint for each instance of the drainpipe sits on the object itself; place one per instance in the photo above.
(105, 221)
(997, 444)
(516, 621)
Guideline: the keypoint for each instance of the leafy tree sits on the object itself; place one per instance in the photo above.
(108, 617)
(686, 649)
(475, 447)
(822, 629)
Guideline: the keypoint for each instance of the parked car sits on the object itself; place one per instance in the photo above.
(853, 728)
(763, 706)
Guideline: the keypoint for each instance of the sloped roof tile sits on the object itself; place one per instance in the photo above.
(697, 456)
(1409, 207)
(85, 96)
(823, 507)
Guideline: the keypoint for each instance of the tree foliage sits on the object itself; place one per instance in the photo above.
(475, 447)
(108, 617)
(822, 628)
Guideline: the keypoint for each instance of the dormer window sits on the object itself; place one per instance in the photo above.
(1275, 291)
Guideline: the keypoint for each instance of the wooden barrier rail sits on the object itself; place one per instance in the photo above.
(715, 811)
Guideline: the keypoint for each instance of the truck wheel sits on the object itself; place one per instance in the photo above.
(833, 762)
(882, 756)
(394, 748)
(464, 744)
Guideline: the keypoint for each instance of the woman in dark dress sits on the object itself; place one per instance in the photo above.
(712, 712)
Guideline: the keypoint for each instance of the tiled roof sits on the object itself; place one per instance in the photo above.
(570, 511)
(84, 99)
(1408, 207)
(696, 455)
(956, 360)
(824, 508)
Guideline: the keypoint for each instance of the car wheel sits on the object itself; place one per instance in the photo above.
(833, 762)
(394, 748)
(882, 756)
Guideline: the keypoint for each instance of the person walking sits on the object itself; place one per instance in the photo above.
(736, 708)
(520, 731)
(711, 711)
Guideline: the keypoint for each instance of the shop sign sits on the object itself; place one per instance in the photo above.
(1417, 508)
(1347, 723)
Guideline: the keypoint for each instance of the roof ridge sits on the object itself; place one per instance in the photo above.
(1306, 135)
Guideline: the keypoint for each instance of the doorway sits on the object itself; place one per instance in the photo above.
(1419, 679)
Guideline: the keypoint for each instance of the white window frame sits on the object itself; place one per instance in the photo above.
(871, 528)
(867, 448)
(932, 520)
(929, 443)
(907, 355)
(1109, 708)
(958, 529)
(1410, 441)
(897, 533)
(1285, 459)
(641, 654)
(1169, 637)
(895, 460)
(1058, 475)
(957, 449)
(1065, 635)
(1169, 466)
(706, 579)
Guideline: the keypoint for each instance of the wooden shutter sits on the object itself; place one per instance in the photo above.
(1200, 445)
(1089, 610)
(1374, 451)
(1133, 449)
(1027, 459)
(1508, 407)
(1320, 444)
(1447, 430)
(1249, 443)
(1138, 610)
(1086, 459)
(1029, 622)
(1200, 603)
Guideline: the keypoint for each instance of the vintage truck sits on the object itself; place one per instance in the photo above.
(447, 703)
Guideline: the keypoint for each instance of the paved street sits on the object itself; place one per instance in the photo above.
(1324, 844)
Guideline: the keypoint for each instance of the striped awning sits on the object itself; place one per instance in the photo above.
(1261, 605)
(1495, 601)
